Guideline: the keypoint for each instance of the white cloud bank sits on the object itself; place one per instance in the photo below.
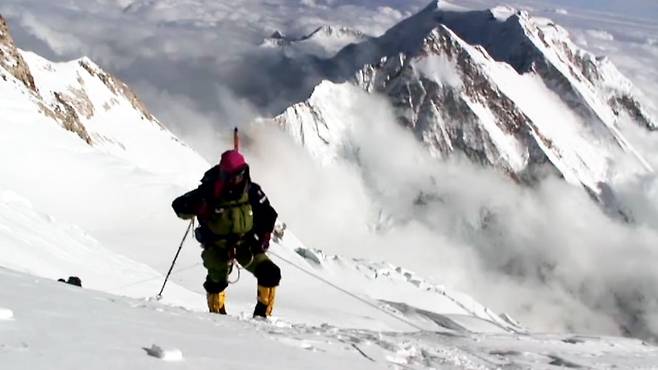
(548, 255)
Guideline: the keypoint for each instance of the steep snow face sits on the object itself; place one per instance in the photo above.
(81, 97)
(75, 147)
(524, 98)
(111, 116)
(324, 42)
(36, 243)
(320, 124)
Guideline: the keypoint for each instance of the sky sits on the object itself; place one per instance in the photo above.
(642, 9)
(199, 66)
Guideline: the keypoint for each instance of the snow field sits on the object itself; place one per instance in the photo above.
(6, 314)
(169, 354)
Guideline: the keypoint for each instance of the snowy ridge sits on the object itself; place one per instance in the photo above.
(324, 42)
(105, 111)
(401, 288)
(96, 106)
(394, 298)
(480, 82)
(320, 123)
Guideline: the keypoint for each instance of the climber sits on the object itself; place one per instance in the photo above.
(236, 221)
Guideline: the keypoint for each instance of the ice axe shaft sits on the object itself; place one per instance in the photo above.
(189, 227)
(236, 139)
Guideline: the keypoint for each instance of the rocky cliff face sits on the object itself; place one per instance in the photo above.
(14, 64)
(503, 88)
(11, 60)
(75, 94)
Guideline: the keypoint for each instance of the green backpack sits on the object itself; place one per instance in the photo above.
(232, 218)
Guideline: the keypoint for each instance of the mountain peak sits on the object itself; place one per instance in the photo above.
(76, 94)
(469, 81)
(432, 6)
(504, 12)
(437, 5)
(116, 87)
(336, 31)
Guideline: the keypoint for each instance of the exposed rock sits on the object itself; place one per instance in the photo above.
(118, 87)
(11, 60)
(71, 105)
(634, 109)
(68, 115)
(479, 107)
(328, 30)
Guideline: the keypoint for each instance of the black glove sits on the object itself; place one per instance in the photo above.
(264, 240)
(204, 236)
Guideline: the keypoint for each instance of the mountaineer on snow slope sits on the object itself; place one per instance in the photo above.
(236, 222)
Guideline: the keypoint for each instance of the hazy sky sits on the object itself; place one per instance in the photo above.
(637, 8)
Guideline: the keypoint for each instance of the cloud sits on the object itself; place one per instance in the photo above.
(189, 48)
(548, 255)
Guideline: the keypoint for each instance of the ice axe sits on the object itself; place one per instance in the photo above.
(189, 227)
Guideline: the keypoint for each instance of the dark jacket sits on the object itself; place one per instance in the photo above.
(200, 200)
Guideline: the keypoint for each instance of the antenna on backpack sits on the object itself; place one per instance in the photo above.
(236, 139)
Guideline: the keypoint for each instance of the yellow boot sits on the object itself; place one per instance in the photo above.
(216, 302)
(265, 302)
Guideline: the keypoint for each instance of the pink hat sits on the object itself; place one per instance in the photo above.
(232, 161)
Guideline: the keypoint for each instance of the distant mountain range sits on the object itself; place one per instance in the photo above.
(503, 88)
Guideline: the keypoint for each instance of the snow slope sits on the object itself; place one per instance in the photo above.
(35, 243)
(58, 326)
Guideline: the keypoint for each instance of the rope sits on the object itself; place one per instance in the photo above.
(233, 264)
(315, 276)
(347, 292)
(185, 269)
(159, 276)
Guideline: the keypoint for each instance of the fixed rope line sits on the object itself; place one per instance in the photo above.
(159, 276)
(315, 276)
(320, 278)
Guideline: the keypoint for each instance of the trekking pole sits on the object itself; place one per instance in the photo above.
(175, 257)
